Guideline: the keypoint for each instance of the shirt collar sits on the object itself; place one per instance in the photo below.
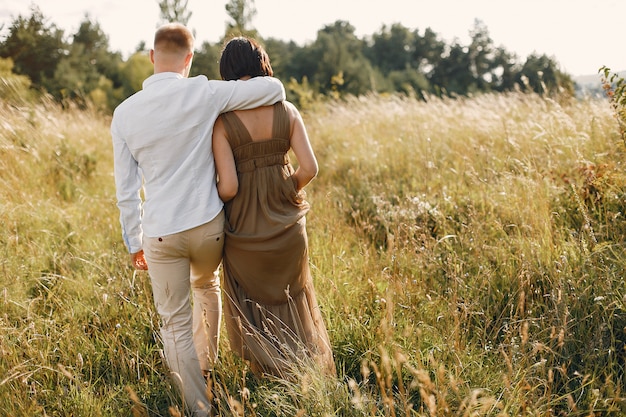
(159, 77)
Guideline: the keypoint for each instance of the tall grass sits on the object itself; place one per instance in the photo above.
(468, 256)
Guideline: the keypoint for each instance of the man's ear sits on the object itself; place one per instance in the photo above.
(152, 56)
(188, 59)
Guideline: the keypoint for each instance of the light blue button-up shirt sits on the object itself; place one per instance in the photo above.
(162, 142)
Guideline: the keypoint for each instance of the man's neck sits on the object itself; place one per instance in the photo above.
(158, 70)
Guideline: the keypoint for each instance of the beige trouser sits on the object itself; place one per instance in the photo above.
(180, 264)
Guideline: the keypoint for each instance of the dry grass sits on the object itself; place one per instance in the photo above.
(467, 254)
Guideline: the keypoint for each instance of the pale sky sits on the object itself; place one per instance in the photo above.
(581, 35)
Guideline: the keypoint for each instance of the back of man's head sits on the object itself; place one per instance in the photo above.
(173, 42)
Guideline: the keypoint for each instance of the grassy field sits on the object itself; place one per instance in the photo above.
(468, 256)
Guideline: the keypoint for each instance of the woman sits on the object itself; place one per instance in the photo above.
(270, 309)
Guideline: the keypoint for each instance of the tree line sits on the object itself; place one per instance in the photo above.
(82, 68)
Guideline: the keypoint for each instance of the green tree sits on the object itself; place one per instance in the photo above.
(281, 54)
(467, 69)
(408, 81)
(340, 66)
(542, 75)
(295, 65)
(97, 49)
(426, 55)
(391, 49)
(481, 53)
(504, 71)
(175, 11)
(452, 75)
(87, 66)
(206, 61)
(300, 63)
(134, 71)
(36, 48)
(14, 89)
(241, 13)
(73, 76)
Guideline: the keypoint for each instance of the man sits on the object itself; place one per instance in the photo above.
(162, 143)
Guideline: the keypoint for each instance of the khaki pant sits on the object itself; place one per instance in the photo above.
(180, 264)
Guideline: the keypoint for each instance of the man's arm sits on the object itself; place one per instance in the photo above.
(255, 92)
(128, 186)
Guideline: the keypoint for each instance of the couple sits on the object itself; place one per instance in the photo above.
(165, 138)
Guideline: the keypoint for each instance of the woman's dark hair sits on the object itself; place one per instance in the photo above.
(244, 56)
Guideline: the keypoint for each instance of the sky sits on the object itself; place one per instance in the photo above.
(580, 35)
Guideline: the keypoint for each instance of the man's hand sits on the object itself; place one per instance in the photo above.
(139, 261)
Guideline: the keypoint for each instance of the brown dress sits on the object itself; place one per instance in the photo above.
(270, 309)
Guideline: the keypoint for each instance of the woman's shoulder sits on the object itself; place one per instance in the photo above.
(289, 105)
(291, 109)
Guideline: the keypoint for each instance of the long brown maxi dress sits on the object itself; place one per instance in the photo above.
(270, 309)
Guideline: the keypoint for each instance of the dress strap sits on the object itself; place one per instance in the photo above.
(236, 131)
(281, 128)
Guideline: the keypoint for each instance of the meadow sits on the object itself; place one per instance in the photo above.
(468, 256)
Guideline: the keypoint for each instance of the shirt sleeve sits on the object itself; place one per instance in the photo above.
(255, 92)
(128, 182)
